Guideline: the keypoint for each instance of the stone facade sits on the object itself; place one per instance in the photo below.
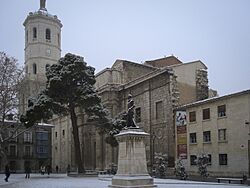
(223, 134)
(42, 49)
(155, 92)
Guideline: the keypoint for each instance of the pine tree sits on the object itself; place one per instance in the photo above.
(70, 84)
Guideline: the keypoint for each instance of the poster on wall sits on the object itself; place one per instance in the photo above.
(182, 151)
(181, 118)
(181, 130)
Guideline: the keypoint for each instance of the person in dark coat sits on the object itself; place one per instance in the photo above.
(27, 171)
(7, 173)
(48, 169)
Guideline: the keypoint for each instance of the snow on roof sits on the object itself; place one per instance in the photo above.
(46, 125)
(196, 103)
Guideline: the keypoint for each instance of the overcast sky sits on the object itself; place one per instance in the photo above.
(217, 32)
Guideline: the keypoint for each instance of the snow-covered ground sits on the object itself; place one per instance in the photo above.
(62, 181)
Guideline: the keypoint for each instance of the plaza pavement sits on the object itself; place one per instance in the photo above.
(63, 181)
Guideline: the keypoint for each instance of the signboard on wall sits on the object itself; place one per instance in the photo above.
(181, 129)
(181, 118)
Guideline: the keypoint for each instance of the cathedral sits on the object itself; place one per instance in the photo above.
(157, 87)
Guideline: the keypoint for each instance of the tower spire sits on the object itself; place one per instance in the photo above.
(42, 5)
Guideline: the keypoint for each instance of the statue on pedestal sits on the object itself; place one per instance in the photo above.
(130, 113)
(42, 5)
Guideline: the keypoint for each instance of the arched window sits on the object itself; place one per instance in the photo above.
(34, 68)
(47, 67)
(58, 39)
(34, 33)
(47, 34)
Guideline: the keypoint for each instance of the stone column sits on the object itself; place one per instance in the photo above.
(132, 167)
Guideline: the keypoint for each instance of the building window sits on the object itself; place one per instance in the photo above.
(138, 115)
(13, 136)
(206, 136)
(12, 150)
(192, 137)
(159, 110)
(222, 136)
(34, 33)
(34, 68)
(63, 132)
(192, 116)
(48, 33)
(42, 149)
(222, 111)
(27, 137)
(223, 159)
(13, 166)
(27, 150)
(193, 159)
(56, 134)
(42, 144)
(206, 113)
(58, 39)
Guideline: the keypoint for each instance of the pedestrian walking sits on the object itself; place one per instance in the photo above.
(57, 169)
(68, 169)
(42, 170)
(27, 171)
(48, 169)
(7, 173)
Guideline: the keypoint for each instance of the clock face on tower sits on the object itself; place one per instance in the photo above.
(48, 52)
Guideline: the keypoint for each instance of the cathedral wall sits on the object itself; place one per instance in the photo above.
(158, 122)
(133, 71)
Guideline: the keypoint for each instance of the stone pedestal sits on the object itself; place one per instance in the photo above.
(132, 167)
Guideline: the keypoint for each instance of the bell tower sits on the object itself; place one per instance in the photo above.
(42, 49)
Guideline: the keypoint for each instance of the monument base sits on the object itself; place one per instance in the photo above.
(132, 166)
(132, 182)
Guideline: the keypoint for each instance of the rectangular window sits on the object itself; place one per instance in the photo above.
(222, 111)
(42, 149)
(27, 150)
(222, 135)
(192, 116)
(42, 136)
(206, 113)
(159, 110)
(56, 134)
(27, 137)
(193, 138)
(223, 159)
(193, 159)
(138, 115)
(13, 136)
(34, 33)
(12, 150)
(206, 136)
